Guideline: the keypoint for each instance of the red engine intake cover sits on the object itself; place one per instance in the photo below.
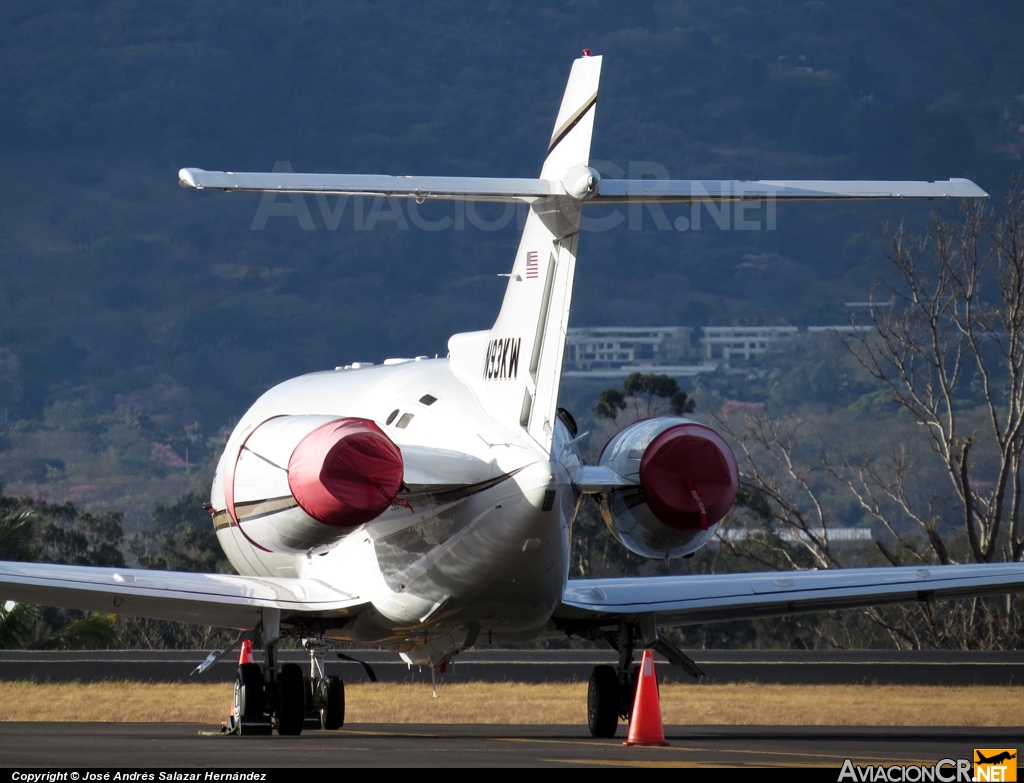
(345, 472)
(689, 476)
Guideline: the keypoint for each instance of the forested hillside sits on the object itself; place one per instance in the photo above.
(138, 319)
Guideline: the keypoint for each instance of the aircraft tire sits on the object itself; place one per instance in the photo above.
(291, 708)
(603, 701)
(334, 711)
(249, 699)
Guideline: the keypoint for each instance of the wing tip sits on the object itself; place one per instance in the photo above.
(967, 188)
(187, 178)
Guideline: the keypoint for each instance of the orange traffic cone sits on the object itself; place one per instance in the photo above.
(246, 654)
(645, 727)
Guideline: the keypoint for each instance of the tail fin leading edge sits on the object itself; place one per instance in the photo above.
(521, 363)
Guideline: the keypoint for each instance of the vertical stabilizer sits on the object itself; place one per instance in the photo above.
(518, 363)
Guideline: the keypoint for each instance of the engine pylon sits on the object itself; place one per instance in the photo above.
(645, 726)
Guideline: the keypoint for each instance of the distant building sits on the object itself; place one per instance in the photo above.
(612, 347)
(844, 329)
(728, 343)
(616, 351)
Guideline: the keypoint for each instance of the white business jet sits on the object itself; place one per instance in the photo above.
(426, 505)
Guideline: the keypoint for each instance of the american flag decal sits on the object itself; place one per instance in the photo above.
(531, 265)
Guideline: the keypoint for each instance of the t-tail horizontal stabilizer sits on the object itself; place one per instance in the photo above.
(581, 184)
(515, 367)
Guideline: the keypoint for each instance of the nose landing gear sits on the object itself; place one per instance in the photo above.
(325, 707)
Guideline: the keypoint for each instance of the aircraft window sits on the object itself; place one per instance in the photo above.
(391, 418)
(428, 399)
(404, 421)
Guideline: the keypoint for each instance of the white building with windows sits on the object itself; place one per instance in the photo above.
(612, 347)
(616, 351)
(727, 343)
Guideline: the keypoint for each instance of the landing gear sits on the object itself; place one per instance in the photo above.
(291, 700)
(333, 712)
(603, 697)
(269, 695)
(613, 688)
(326, 706)
(610, 695)
(249, 701)
(311, 721)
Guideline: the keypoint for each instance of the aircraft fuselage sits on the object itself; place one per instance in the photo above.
(476, 545)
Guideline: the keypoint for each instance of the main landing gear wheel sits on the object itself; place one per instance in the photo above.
(291, 708)
(249, 700)
(604, 698)
(333, 693)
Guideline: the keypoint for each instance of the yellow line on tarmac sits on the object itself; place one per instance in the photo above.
(861, 760)
(887, 759)
(366, 733)
(684, 748)
(668, 764)
(540, 741)
(638, 763)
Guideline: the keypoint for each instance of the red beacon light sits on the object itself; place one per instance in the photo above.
(586, 53)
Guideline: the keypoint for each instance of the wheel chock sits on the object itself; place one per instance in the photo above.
(255, 727)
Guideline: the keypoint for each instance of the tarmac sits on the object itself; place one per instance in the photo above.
(77, 746)
(136, 746)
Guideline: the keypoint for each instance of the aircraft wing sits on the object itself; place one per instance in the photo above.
(223, 600)
(683, 600)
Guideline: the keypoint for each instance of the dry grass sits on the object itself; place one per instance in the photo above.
(740, 704)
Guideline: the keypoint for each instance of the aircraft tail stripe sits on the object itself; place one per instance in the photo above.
(563, 130)
(542, 321)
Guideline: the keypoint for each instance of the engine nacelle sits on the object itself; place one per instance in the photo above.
(296, 483)
(685, 480)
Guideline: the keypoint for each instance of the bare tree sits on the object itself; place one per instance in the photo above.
(781, 489)
(948, 348)
(954, 320)
(789, 487)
